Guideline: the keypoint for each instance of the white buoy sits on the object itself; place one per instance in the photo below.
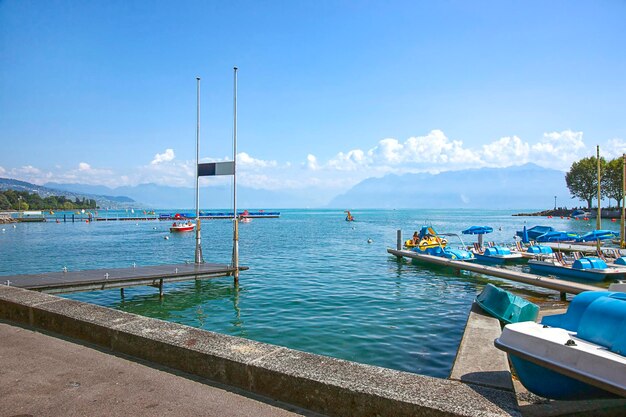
(14, 226)
(166, 237)
(154, 228)
(3, 230)
(369, 240)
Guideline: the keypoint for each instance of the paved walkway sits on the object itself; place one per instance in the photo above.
(41, 375)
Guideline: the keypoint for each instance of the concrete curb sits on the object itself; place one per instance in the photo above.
(322, 384)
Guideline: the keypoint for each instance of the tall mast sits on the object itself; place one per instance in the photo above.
(198, 256)
(235, 218)
(622, 229)
(599, 216)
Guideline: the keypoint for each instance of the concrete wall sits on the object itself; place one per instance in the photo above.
(326, 385)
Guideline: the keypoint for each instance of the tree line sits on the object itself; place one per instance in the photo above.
(582, 179)
(23, 200)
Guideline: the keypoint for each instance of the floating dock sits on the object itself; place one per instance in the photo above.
(562, 286)
(101, 279)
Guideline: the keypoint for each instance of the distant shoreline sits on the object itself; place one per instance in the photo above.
(560, 212)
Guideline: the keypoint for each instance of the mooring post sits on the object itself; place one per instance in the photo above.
(563, 296)
(161, 288)
(122, 292)
(72, 218)
(64, 219)
(399, 239)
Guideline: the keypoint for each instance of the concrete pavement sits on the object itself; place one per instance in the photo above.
(42, 375)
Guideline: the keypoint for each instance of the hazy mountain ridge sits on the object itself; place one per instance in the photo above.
(45, 191)
(517, 187)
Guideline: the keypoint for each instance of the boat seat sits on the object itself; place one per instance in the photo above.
(604, 323)
(570, 320)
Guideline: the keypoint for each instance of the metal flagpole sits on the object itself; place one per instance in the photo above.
(235, 218)
(198, 257)
(599, 218)
(622, 230)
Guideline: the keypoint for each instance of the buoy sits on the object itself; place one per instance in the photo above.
(166, 237)
(3, 230)
(369, 240)
(613, 220)
(136, 224)
(14, 226)
(86, 221)
(154, 228)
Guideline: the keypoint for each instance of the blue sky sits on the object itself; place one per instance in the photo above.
(330, 92)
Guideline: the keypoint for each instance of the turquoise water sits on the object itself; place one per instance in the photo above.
(314, 283)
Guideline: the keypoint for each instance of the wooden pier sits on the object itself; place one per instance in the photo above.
(101, 279)
(562, 286)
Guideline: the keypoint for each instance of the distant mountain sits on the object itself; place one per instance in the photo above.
(166, 197)
(527, 186)
(46, 191)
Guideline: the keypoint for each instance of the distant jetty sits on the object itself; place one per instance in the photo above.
(610, 213)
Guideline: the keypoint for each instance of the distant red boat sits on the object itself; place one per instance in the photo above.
(182, 227)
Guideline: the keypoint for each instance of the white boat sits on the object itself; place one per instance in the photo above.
(182, 227)
(572, 356)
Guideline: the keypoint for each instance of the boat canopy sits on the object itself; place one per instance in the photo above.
(556, 236)
(597, 235)
(477, 230)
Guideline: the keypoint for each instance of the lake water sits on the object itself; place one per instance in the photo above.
(314, 284)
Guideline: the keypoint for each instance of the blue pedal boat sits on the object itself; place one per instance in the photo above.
(506, 307)
(588, 268)
(573, 356)
(496, 254)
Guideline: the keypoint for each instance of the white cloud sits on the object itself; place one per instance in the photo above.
(615, 148)
(311, 162)
(2, 171)
(558, 149)
(166, 156)
(84, 166)
(506, 151)
(246, 161)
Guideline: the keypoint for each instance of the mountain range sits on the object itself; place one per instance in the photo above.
(44, 191)
(526, 186)
(516, 187)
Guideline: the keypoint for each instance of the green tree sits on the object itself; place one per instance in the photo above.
(612, 184)
(5, 204)
(582, 179)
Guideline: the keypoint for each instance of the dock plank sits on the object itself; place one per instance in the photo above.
(86, 280)
(560, 285)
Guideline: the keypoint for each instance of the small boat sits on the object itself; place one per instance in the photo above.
(182, 227)
(349, 216)
(534, 232)
(578, 355)
(582, 214)
(425, 239)
(436, 245)
(506, 307)
(588, 267)
(534, 251)
(558, 236)
(490, 254)
(596, 235)
(496, 254)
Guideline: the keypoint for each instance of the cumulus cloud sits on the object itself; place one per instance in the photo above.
(84, 166)
(2, 171)
(311, 162)
(246, 161)
(615, 148)
(166, 156)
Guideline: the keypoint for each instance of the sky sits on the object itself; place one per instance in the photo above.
(329, 92)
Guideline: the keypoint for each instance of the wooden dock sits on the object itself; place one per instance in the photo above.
(562, 286)
(101, 279)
